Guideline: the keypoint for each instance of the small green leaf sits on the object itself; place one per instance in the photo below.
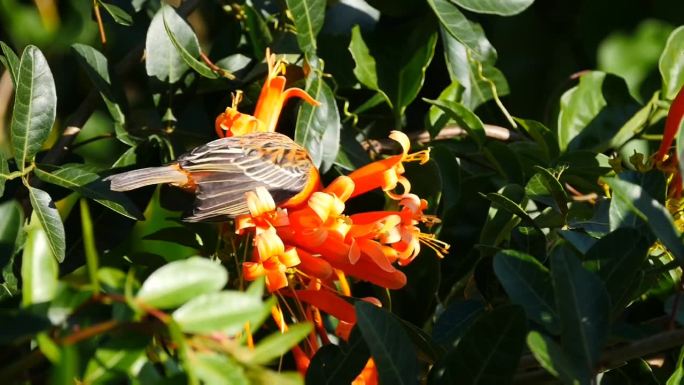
(318, 127)
(455, 22)
(35, 105)
(552, 358)
(496, 7)
(464, 117)
(116, 359)
(528, 284)
(187, 57)
(11, 61)
(227, 310)
(308, 18)
(488, 353)
(277, 344)
(212, 368)
(635, 199)
(583, 307)
(39, 267)
(78, 178)
(50, 221)
(394, 67)
(180, 281)
(257, 30)
(542, 136)
(390, 346)
(671, 64)
(162, 59)
(593, 112)
(119, 15)
(501, 201)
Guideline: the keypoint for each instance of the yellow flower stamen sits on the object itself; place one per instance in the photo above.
(422, 156)
(439, 247)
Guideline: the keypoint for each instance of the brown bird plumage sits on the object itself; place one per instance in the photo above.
(222, 171)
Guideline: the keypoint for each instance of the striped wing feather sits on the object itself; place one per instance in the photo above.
(225, 169)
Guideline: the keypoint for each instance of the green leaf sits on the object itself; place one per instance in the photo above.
(552, 358)
(488, 353)
(456, 24)
(50, 221)
(257, 30)
(97, 68)
(16, 324)
(394, 67)
(583, 307)
(78, 178)
(318, 127)
(390, 346)
(116, 359)
(592, 112)
(464, 117)
(277, 344)
(35, 104)
(227, 310)
(162, 59)
(671, 64)
(501, 201)
(528, 283)
(479, 81)
(308, 18)
(496, 7)
(620, 256)
(677, 377)
(4, 172)
(11, 61)
(455, 320)
(500, 221)
(635, 199)
(89, 245)
(119, 15)
(541, 135)
(553, 188)
(180, 281)
(218, 369)
(187, 57)
(39, 268)
(338, 365)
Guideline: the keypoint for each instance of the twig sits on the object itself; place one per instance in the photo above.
(611, 358)
(448, 132)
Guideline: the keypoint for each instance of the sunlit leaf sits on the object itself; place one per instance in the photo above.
(10, 60)
(162, 59)
(39, 267)
(277, 344)
(497, 7)
(671, 64)
(50, 221)
(115, 360)
(552, 358)
(187, 57)
(119, 15)
(219, 369)
(227, 310)
(308, 20)
(180, 281)
(35, 106)
(455, 23)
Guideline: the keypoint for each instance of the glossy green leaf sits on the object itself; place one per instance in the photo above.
(552, 358)
(500, 221)
(227, 310)
(496, 7)
(180, 281)
(583, 307)
(395, 68)
(50, 221)
(97, 68)
(542, 136)
(671, 65)
(80, 179)
(456, 24)
(212, 368)
(277, 344)
(553, 187)
(119, 15)
(187, 57)
(620, 257)
(389, 344)
(488, 353)
(592, 112)
(677, 377)
(39, 267)
(528, 283)
(638, 201)
(35, 106)
(503, 202)
(464, 117)
(318, 127)
(308, 18)
(162, 59)
(11, 61)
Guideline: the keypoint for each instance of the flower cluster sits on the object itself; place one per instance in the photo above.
(312, 249)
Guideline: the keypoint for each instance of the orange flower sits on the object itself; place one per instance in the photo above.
(387, 173)
(271, 100)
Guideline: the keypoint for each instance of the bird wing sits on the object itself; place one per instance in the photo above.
(225, 169)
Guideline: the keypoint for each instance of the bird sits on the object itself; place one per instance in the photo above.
(220, 172)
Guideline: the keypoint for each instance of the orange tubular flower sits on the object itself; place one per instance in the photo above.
(387, 173)
(271, 100)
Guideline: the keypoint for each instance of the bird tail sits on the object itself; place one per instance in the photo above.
(132, 180)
